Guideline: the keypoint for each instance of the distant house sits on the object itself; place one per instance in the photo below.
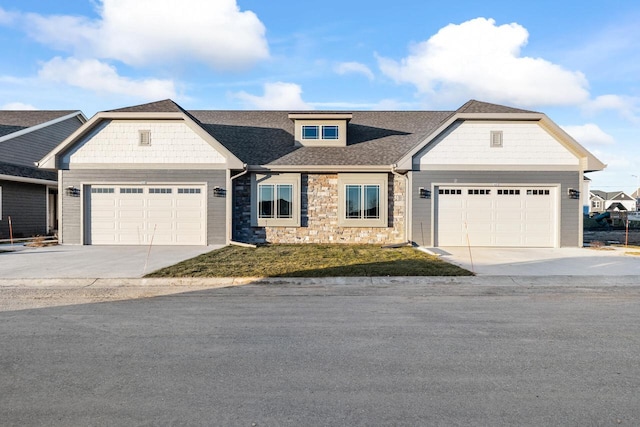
(602, 201)
(482, 175)
(28, 195)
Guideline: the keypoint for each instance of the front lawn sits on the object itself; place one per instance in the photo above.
(312, 261)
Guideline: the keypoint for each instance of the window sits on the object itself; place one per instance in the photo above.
(449, 191)
(275, 200)
(320, 132)
(160, 191)
(310, 132)
(329, 132)
(478, 191)
(144, 137)
(188, 191)
(506, 192)
(362, 200)
(537, 192)
(131, 191)
(100, 190)
(496, 138)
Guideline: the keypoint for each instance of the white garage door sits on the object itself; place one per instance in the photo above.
(138, 215)
(496, 216)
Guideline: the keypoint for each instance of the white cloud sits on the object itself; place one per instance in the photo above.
(354, 67)
(478, 59)
(589, 135)
(99, 77)
(277, 96)
(17, 106)
(626, 106)
(6, 17)
(142, 32)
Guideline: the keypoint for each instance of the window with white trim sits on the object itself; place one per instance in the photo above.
(362, 200)
(320, 132)
(275, 200)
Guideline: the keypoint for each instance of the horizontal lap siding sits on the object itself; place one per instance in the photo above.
(570, 209)
(216, 206)
(26, 204)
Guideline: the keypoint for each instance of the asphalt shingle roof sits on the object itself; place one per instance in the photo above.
(267, 137)
(15, 120)
(26, 172)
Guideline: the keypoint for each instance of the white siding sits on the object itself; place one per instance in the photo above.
(523, 144)
(118, 143)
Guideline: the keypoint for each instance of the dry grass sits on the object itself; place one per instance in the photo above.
(312, 261)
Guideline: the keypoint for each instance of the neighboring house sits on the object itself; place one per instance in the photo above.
(602, 201)
(28, 195)
(636, 196)
(483, 175)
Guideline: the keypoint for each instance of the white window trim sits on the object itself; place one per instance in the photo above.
(381, 179)
(292, 179)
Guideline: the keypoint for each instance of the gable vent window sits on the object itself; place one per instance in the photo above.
(496, 138)
(144, 137)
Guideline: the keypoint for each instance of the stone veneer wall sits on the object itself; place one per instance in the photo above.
(319, 215)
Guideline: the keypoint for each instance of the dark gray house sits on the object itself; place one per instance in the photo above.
(482, 175)
(28, 195)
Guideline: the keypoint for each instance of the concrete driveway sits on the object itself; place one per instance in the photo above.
(71, 261)
(544, 261)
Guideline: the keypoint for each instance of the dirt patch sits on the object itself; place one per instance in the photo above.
(612, 237)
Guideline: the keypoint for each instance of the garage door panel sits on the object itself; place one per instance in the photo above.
(495, 216)
(160, 214)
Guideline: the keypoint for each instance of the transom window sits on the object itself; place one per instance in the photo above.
(509, 192)
(317, 132)
(275, 201)
(160, 191)
(188, 191)
(478, 191)
(362, 201)
(101, 190)
(449, 191)
(130, 190)
(537, 192)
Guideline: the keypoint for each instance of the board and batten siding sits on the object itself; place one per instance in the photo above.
(26, 204)
(469, 143)
(570, 209)
(117, 142)
(72, 209)
(29, 148)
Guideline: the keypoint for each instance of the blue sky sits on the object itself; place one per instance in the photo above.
(576, 61)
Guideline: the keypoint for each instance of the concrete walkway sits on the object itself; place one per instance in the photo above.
(609, 261)
(75, 261)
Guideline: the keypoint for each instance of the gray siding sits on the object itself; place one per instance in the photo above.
(33, 146)
(71, 207)
(26, 204)
(570, 209)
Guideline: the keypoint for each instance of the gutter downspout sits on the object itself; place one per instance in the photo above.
(230, 180)
(407, 201)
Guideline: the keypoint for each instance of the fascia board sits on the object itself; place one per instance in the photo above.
(321, 168)
(25, 131)
(591, 162)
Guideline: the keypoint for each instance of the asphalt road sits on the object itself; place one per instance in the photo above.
(270, 355)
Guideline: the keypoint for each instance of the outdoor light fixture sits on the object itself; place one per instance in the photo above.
(72, 191)
(219, 192)
(424, 193)
(574, 194)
